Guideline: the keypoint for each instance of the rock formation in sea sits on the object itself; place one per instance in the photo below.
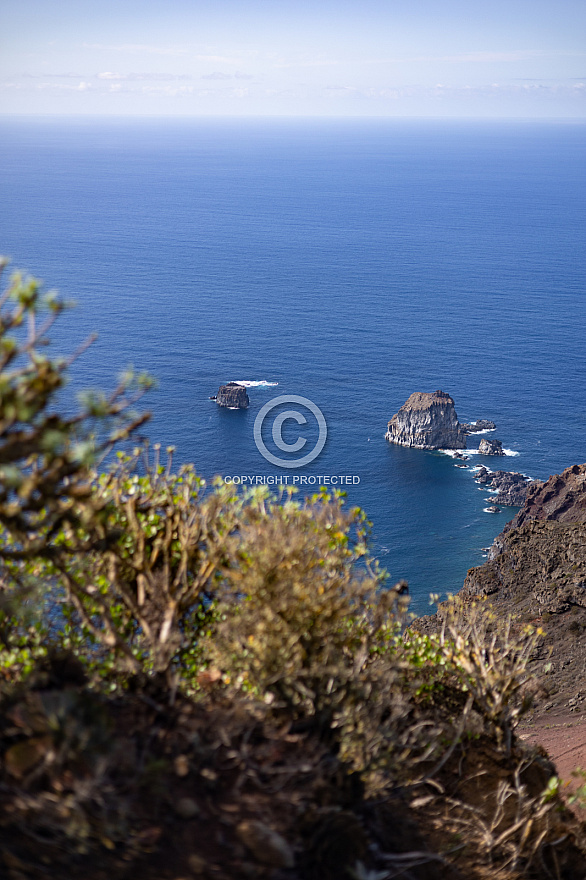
(427, 421)
(478, 425)
(233, 395)
(490, 447)
(512, 486)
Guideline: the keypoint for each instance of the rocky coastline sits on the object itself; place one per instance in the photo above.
(536, 571)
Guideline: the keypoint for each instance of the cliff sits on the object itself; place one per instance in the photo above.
(537, 571)
(562, 498)
(427, 421)
(233, 395)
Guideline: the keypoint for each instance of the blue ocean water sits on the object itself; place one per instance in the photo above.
(353, 262)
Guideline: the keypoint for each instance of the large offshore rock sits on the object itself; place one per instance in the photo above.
(233, 395)
(427, 421)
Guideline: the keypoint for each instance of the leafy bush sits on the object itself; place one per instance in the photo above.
(147, 589)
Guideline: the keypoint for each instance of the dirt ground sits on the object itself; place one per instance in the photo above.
(563, 736)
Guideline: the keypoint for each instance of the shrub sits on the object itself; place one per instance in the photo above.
(44, 456)
(147, 588)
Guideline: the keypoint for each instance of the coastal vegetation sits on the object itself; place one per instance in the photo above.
(201, 682)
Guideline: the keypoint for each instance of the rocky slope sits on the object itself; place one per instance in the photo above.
(233, 395)
(562, 498)
(536, 571)
(427, 421)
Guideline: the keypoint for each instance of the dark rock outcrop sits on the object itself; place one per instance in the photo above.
(512, 486)
(562, 498)
(233, 395)
(427, 421)
(490, 447)
(545, 543)
(479, 425)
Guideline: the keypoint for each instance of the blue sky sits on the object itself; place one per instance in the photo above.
(291, 57)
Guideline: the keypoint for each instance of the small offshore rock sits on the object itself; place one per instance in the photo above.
(266, 845)
(233, 396)
(490, 447)
(479, 425)
(186, 808)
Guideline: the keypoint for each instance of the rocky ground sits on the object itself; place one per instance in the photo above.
(217, 790)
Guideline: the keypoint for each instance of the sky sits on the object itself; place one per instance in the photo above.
(445, 58)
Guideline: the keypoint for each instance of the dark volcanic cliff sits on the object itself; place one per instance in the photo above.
(427, 421)
(561, 498)
(537, 571)
(543, 545)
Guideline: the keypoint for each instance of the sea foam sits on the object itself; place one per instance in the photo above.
(508, 452)
(251, 383)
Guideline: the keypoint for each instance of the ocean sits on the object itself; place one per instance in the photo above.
(350, 261)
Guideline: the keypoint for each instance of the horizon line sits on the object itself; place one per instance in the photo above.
(284, 116)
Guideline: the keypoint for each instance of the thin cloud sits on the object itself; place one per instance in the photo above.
(171, 91)
(218, 59)
(470, 57)
(138, 48)
(55, 75)
(128, 77)
(217, 75)
(441, 91)
(311, 63)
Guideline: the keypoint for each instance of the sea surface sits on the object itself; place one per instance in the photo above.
(351, 262)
